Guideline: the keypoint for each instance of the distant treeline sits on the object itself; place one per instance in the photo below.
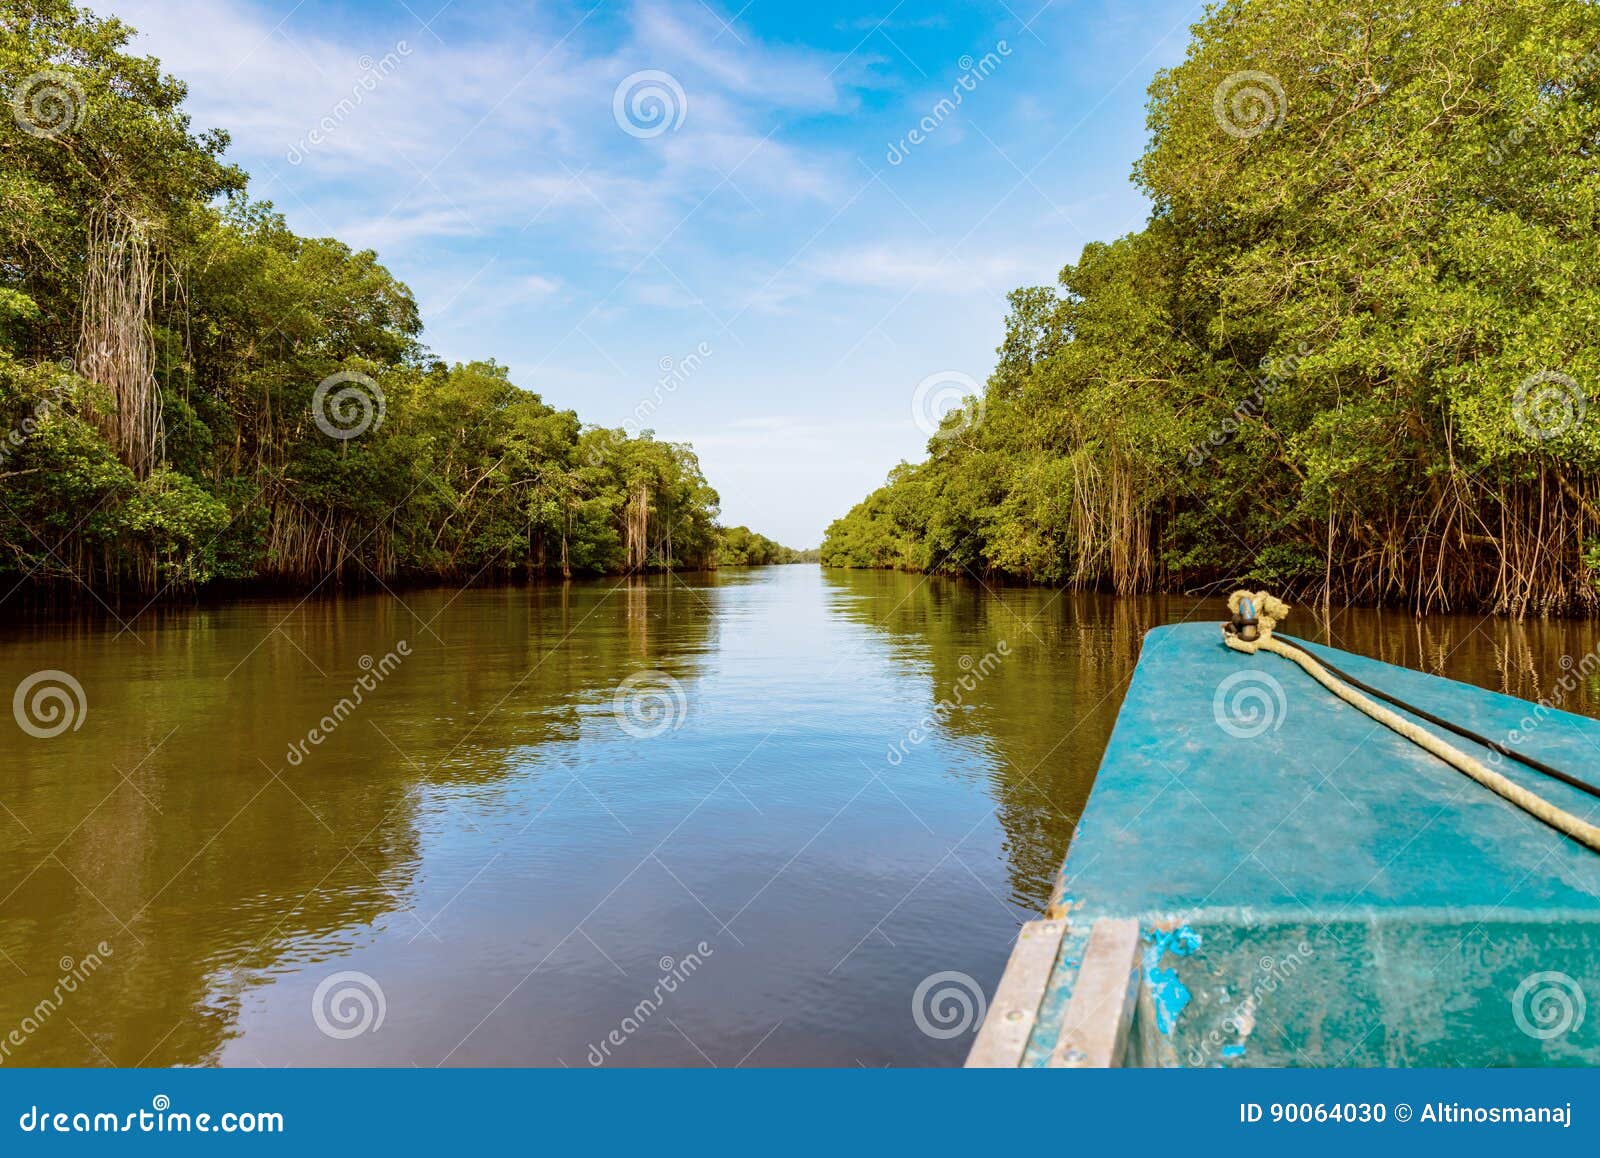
(742, 547)
(191, 392)
(1353, 352)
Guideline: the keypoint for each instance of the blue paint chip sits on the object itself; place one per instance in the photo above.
(1169, 995)
(1233, 1051)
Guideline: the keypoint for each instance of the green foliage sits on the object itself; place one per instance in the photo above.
(1350, 352)
(742, 547)
(455, 472)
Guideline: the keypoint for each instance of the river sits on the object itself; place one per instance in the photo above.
(777, 816)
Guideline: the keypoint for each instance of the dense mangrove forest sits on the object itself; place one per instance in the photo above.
(1351, 354)
(742, 547)
(190, 392)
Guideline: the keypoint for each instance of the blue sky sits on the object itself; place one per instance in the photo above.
(770, 215)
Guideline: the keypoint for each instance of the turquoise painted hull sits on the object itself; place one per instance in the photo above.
(1313, 889)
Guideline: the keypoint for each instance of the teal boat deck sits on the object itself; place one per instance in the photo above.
(1274, 879)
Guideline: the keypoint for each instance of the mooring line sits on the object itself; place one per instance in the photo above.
(1256, 615)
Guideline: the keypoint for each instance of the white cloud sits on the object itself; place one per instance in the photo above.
(535, 287)
(922, 267)
(775, 76)
(389, 138)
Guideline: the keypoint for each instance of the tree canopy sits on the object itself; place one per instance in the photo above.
(1350, 353)
(742, 547)
(190, 391)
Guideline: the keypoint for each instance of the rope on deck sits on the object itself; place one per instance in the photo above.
(1256, 614)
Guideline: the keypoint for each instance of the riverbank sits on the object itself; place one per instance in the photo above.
(63, 602)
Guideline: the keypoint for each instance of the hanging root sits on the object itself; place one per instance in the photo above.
(114, 347)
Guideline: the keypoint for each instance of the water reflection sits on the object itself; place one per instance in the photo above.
(873, 779)
(173, 827)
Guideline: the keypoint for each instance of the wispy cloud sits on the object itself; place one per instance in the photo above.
(891, 23)
(470, 136)
(908, 267)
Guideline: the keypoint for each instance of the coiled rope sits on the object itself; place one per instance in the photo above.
(1257, 614)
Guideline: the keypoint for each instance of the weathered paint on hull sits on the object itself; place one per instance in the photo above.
(1314, 890)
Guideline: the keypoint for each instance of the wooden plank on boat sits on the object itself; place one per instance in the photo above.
(1015, 1009)
(1094, 1030)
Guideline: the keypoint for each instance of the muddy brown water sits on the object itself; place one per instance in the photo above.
(764, 817)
